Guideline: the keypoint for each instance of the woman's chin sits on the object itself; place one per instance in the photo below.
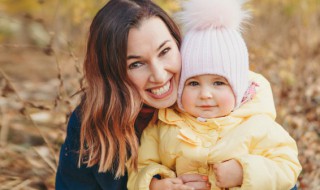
(161, 103)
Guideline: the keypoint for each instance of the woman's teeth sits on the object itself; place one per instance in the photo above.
(162, 90)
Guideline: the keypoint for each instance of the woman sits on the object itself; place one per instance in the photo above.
(132, 66)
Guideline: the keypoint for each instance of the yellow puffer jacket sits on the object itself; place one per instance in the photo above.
(180, 144)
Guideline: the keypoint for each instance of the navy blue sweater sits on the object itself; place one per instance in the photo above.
(70, 177)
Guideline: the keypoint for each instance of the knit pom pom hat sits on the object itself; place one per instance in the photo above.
(213, 43)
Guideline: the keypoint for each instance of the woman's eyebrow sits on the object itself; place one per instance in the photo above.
(161, 45)
(137, 56)
(133, 57)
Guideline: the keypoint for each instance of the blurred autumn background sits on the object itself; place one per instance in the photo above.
(42, 44)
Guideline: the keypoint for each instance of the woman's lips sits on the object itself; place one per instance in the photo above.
(162, 91)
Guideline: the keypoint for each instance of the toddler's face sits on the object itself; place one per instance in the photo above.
(207, 96)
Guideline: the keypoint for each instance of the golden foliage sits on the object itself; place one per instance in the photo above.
(37, 82)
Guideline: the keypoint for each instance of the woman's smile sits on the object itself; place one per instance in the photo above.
(162, 91)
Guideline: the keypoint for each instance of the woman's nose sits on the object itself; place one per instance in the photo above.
(158, 73)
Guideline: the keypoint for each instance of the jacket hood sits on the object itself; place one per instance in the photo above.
(261, 103)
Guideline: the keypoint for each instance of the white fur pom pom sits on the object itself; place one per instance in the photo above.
(201, 14)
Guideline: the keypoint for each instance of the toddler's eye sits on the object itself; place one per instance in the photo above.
(218, 83)
(192, 83)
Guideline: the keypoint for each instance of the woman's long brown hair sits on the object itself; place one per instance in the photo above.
(111, 103)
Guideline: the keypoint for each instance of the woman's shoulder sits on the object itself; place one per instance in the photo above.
(74, 122)
(69, 175)
(72, 139)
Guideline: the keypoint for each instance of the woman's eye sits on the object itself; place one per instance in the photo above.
(218, 83)
(135, 65)
(192, 83)
(165, 51)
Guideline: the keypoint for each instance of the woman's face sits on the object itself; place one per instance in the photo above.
(154, 63)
